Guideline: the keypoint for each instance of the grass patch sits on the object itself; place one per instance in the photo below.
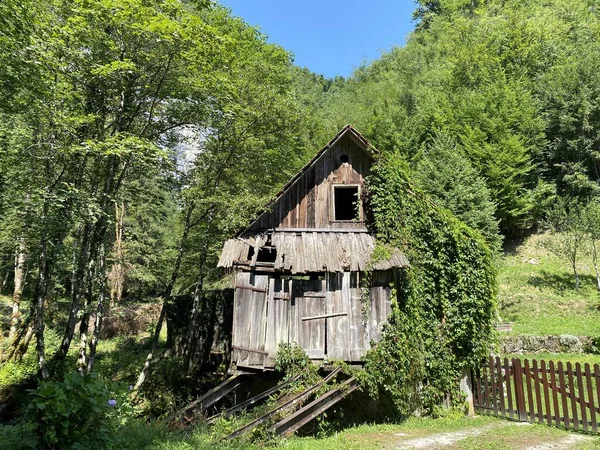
(513, 436)
(494, 434)
(556, 357)
(537, 294)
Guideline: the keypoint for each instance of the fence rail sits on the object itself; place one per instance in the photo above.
(558, 394)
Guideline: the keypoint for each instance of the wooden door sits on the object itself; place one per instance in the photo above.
(249, 319)
(307, 328)
(278, 315)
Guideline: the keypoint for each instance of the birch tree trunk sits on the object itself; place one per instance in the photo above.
(39, 301)
(20, 259)
(84, 325)
(166, 297)
(109, 190)
(117, 272)
(80, 281)
(595, 262)
(193, 329)
(102, 295)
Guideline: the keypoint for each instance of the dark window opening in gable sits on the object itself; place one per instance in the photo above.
(345, 203)
(344, 158)
(266, 255)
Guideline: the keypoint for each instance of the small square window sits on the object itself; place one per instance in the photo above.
(346, 204)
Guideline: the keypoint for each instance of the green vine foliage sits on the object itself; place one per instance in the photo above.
(443, 314)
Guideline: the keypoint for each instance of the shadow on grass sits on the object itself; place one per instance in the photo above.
(511, 244)
(562, 283)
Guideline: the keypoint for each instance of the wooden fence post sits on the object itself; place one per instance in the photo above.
(519, 391)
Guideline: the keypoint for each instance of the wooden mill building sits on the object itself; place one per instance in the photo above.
(299, 266)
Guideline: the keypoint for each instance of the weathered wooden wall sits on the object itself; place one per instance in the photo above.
(308, 202)
(269, 310)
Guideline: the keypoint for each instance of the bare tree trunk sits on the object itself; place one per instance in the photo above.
(109, 190)
(117, 272)
(193, 331)
(151, 355)
(595, 261)
(84, 325)
(80, 281)
(39, 300)
(166, 297)
(100, 307)
(20, 259)
(24, 345)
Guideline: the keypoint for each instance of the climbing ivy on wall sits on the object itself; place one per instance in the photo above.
(446, 301)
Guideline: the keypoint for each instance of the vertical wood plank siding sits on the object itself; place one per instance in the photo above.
(555, 394)
(308, 203)
(269, 310)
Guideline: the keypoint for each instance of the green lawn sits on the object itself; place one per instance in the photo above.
(537, 294)
(479, 432)
(564, 357)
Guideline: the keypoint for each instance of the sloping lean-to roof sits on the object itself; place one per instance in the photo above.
(305, 252)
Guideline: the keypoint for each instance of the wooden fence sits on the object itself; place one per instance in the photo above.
(562, 395)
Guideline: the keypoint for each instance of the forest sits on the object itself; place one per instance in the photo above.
(136, 136)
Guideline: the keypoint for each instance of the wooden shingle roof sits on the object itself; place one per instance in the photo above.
(305, 252)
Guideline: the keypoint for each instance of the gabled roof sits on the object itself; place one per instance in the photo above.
(349, 130)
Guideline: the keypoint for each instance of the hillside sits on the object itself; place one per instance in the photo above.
(537, 294)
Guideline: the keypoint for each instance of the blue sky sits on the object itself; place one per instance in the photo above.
(330, 37)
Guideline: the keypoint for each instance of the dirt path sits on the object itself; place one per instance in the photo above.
(447, 439)
(567, 442)
(523, 439)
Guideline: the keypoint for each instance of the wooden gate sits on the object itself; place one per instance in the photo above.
(563, 395)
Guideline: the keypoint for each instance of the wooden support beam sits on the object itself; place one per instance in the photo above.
(251, 402)
(325, 316)
(211, 397)
(304, 415)
(250, 288)
(283, 407)
(251, 350)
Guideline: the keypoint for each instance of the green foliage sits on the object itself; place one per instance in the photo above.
(568, 222)
(450, 180)
(537, 293)
(446, 308)
(292, 360)
(78, 412)
(514, 86)
(14, 373)
(594, 346)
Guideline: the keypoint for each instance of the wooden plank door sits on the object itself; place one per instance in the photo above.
(278, 312)
(339, 342)
(249, 319)
(309, 301)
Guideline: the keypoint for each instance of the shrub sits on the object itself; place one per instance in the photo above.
(291, 359)
(78, 412)
(594, 346)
